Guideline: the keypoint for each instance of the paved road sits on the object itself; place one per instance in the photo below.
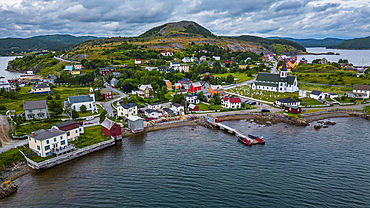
(60, 59)
(108, 105)
(13, 145)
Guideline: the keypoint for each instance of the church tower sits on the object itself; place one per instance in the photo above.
(284, 70)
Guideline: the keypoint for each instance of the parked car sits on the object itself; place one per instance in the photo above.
(265, 110)
(89, 118)
(252, 103)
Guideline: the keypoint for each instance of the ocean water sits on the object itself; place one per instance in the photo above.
(4, 64)
(200, 167)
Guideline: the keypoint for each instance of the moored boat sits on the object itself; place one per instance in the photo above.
(259, 140)
(245, 140)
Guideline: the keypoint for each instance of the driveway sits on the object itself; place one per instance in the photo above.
(15, 143)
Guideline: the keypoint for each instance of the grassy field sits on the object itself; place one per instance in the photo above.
(345, 78)
(337, 90)
(241, 76)
(204, 107)
(309, 101)
(22, 95)
(262, 95)
(91, 136)
(311, 111)
(33, 126)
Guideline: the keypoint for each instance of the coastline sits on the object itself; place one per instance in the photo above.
(21, 168)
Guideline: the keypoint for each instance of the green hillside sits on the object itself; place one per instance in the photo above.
(48, 42)
(178, 29)
(311, 42)
(266, 41)
(357, 43)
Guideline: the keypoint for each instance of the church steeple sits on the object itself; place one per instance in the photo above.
(284, 70)
(91, 91)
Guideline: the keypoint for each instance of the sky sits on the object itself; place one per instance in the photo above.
(125, 18)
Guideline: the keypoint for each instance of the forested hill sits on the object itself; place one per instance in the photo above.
(357, 43)
(311, 42)
(266, 41)
(47, 42)
(175, 29)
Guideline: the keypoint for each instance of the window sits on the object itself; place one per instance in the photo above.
(62, 142)
(47, 147)
(47, 141)
(29, 139)
(61, 137)
(55, 139)
(68, 134)
(76, 131)
(38, 147)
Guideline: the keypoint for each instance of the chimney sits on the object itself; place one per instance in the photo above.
(33, 134)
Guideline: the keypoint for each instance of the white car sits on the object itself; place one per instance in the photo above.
(89, 118)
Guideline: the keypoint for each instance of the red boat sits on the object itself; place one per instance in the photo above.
(259, 140)
(245, 141)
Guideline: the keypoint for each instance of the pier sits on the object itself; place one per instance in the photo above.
(214, 121)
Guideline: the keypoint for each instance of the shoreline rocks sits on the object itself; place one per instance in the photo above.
(7, 188)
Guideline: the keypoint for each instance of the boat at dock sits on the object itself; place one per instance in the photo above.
(259, 140)
(245, 141)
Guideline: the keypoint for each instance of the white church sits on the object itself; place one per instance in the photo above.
(87, 100)
(276, 82)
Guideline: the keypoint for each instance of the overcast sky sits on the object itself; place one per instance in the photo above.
(109, 18)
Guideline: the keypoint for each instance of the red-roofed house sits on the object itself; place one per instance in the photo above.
(231, 103)
(228, 62)
(137, 61)
(167, 53)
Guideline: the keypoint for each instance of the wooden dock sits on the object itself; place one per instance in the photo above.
(233, 131)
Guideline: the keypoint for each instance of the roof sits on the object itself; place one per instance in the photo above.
(168, 110)
(197, 84)
(162, 67)
(361, 87)
(128, 105)
(107, 123)
(183, 79)
(287, 100)
(80, 99)
(153, 104)
(268, 84)
(176, 62)
(105, 92)
(152, 111)
(275, 78)
(137, 59)
(291, 106)
(47, 134)
(216, 87)
(134, 118)
(68, 125)
(315, 92)
(235, 100)
(177, 105)
(38, 104)
(143, 87)
(192, 106)
(284, 66)
(190, 96)
(332, 93)
(41, 86)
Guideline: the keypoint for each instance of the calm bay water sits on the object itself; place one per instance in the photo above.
(4, 64)
(298, 167)
(356, 57)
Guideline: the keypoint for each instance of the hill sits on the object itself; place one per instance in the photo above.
(271, 42)
(47, 42)
(311, 42)
(177, 29)
(356, 43)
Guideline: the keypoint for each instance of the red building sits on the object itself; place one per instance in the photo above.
(107, 70)
(107, 95)
(193, 107)
(195, 87)
(111, 129)
(293, 109)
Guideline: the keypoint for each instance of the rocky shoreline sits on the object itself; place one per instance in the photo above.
(11, 173)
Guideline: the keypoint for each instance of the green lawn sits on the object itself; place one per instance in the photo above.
(261, 94)
(204, 107)
(64, 92)
(241, 76)
(347, 78)
(33, 126)
(91, 136)
(310, 101)
(337, 90)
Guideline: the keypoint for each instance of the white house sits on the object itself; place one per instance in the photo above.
(186, 60)
(72, 128)
(167, 53)
(150, 113)
(359, 91)
(331, 95)
(317, 95)
(155, 106)
(192, 99)
(46, 142)
(203, 58)
(137, 61)
(86, 100)
(146, 89)
(126, 110)
(175, 64)
(5, 84)
(217, 58)
(231, 103)
(276, 82)
(287, 101)
(178, 109)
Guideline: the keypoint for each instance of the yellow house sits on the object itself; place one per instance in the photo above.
(47, 142)
(41, 88)
(75, 72)
(243, 66)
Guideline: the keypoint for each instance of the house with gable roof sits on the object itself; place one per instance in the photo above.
(35, 109)
(231, 103)
(194, 87)
(111, 129)
(359, 91)
(317, 95)
(126, 110)
(276, 82)
(47, 142)
(146, 89)
(87, 100)
(41, 88)
(73, 129)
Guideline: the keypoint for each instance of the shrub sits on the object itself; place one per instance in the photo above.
(2, 107)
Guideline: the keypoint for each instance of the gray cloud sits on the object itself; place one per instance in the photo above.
(294, 18)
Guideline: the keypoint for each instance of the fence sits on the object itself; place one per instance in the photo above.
(67, 157)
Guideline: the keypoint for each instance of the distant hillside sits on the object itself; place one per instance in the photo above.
(357, 43)
(256, 39)
(311, 42)
(176, 29)
(48, 42)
